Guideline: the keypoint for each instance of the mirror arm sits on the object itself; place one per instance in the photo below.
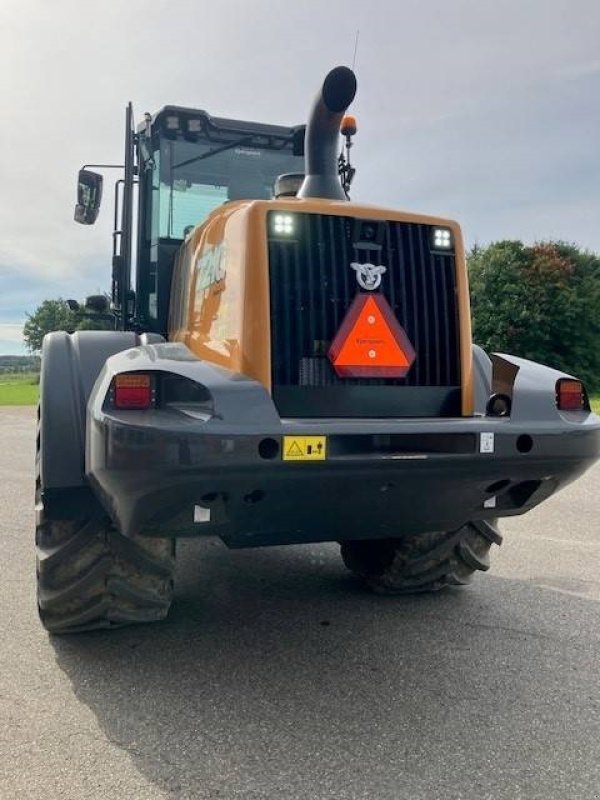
(103, 166)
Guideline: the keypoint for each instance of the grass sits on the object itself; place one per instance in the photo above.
(595, 403)
(19, 388)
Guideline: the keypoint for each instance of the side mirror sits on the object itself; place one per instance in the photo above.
(89, 196)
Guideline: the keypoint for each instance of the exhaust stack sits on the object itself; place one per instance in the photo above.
(322, 136)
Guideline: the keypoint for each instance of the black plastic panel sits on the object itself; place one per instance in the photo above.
(367, 401)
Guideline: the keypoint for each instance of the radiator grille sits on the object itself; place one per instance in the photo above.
(312, 286)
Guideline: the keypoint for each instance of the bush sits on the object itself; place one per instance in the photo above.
(540, 302)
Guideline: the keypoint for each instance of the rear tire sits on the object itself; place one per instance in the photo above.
(423, 563)
(89, 576)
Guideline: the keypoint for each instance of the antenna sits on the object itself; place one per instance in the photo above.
(355, 49)
(348, 128)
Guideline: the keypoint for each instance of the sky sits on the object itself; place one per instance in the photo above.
(485, 111)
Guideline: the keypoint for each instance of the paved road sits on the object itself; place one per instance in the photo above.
(276, 677)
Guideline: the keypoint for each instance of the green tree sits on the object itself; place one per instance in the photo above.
(55, 315)
(540, 302)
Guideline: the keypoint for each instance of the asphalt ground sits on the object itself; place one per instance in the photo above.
(276, 676)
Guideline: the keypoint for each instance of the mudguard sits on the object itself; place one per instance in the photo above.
(237, 401)
(71, 364)
(532, 390)
(530, 386)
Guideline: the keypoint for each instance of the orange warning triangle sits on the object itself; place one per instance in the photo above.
(371, 343)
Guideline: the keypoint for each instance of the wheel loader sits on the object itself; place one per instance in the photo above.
(287, 366)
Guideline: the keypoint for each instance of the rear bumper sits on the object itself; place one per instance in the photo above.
(171, 472)
(374, 483)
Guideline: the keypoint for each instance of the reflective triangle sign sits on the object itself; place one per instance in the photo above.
(370, 342)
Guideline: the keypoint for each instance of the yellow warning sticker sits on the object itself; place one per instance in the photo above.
(304, 448)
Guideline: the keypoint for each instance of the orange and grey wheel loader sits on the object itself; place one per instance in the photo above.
(288, 366)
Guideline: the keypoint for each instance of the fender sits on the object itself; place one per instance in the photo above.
(71, 364)
(237, 401)
(235, 405)
(530, 386)
(532, 389)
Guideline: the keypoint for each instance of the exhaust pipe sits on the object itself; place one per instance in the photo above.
(322, 136)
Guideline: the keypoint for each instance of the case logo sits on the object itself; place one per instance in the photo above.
(368, 275)
(210, 266)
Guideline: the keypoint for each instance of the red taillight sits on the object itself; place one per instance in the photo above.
(570, 395)
(133, 390)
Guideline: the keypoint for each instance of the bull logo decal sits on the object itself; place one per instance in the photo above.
(368, 275)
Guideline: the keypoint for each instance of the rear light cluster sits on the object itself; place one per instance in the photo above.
(134, 390)
(144, 390)
(570, 395)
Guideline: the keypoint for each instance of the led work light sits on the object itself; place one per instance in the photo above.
(283, 224)
(442, 239)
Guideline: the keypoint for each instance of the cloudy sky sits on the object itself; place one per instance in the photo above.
(487, 111)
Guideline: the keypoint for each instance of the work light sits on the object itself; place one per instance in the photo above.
(283, 224)
(442, 239)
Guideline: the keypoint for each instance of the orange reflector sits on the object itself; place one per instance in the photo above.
(133, 390)
(570, 395)
(370, 342)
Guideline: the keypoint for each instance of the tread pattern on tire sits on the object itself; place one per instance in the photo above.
(425, 562)
(90, 576)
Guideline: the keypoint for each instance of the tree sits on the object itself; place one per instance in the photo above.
(540, 302)
(55, 315)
